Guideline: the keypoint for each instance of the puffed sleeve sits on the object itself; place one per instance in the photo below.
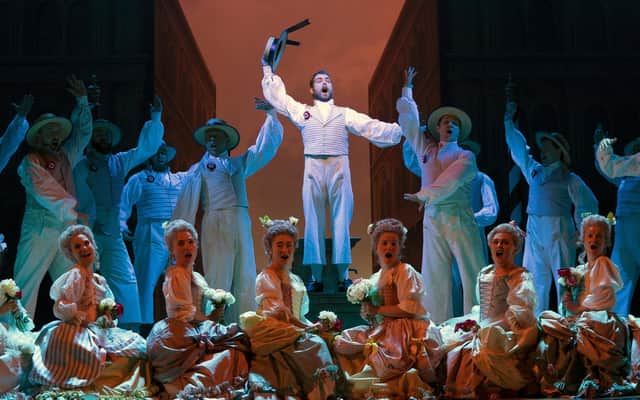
(189, 199)
(66, 291)
(410, 290)
(13, 136)
(177, 294)
(149, 141)
(521, 301)
(130, 196)
(460, 172)
(81, 131)
(604, 283)
(379, 133)
(488, 214)
(614, 166)
(266, 146)
(410, 159)
(520, 151)
(275, 92)
(584, 201)
(269, 295)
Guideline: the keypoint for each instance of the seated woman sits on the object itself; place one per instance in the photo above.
(84, 350)
(189, 350)
(16, 342)
(489, 352)
(586, 351)
(293, 361)
(399, 355)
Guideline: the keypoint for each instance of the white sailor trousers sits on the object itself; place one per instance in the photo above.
(327, 182)
(627, 257)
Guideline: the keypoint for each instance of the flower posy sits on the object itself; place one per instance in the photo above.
(569, 277)
(359, 291)
(467, 325)
(219, 296)
(109, 306)
(9, 288)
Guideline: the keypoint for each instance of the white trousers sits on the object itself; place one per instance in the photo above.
(115, 266)
(549, 245)
(327, 182)
(627, 257)
(151, 258)
(227, 256)
(38, 253)
(450, 233)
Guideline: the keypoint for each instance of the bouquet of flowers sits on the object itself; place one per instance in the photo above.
(329, 321)
(363, 290)
(569, 279)
(219, 297)
(10, 291)
(110, 308)
(469, 325)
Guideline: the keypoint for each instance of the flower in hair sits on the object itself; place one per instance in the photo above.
(520, 231)
(265, 221)
(293, 221)
(612, 218)
(371, 228)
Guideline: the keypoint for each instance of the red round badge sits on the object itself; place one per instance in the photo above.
(150, 178)
(51, 165)
(211, 166)
(306, 115)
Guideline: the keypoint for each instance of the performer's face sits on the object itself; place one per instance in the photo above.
(282, 249)
(593, 237)
(101, 140)
(322, 87)
(549, 152)
(160, 160)
(82, 250)
(388, 249)
(449, 128)
(184, 248)
(51, 136)
(503, 248)
(216, 142)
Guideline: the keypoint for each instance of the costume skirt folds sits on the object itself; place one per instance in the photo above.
(396, 348)
(78, 356)
(293, 362)
(197, 355)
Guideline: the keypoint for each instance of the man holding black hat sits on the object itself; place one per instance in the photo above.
(100, 179)
(219, 181)
(325, 131)
(46, 174)
(450, 231)
(154, 191)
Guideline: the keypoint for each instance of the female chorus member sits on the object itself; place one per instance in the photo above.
(399, 355)
(587, 350)
(489, 351)
(293, 361)
(83, 349)
(190, 350)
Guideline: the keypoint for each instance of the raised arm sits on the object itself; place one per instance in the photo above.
(517, 142)
(14, 135)
(81, 122)
(614, 166)
(409, 117)
(410, 159)
(275, 92)
(149, 140)
(267, 143)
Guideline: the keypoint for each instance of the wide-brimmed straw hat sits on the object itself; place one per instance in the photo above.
(47, 118)
(116, 133)
(216, 124)
(171, 151)
(463, 117)
(558, 140)
(632, 147)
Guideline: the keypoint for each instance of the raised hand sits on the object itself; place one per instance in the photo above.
(76, 86)
(262, 104)
(24, 107)
(156, 106)
(409, 74)
(510, 110)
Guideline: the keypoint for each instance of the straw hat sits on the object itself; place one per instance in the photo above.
(116, 133)
(233, 137)
(465, 121)
(558, 140)
(34, 131)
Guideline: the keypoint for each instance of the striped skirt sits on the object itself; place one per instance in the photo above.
(73, 356)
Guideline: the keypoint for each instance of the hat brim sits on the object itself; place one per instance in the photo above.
(116, 133)
(34, 131)
(561, 146)
(629, 147)
(274, 49)
(232, 135)
(465, 121)
(171, 152)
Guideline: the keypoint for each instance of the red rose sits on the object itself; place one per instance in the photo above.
(338, 325)
(565, 273)
(19, 294)
(118, 310)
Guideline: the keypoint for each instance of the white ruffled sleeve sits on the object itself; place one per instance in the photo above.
(604, 283)
(522, 301)
(66, 291)
(410, 290)
(177, 294)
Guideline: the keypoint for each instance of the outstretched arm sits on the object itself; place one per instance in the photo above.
(149, 139)
(517, 142)
(14, 135)
(615, 166)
